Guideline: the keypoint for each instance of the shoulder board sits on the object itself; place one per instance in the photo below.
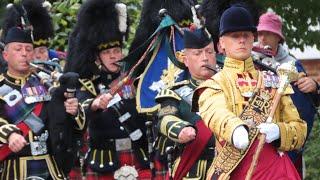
(88, 85)
(167, 93)
(211, 83)
(184, 91)
(179, 84)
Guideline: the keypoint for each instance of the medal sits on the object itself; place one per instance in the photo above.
(246, 84)
(270, 80)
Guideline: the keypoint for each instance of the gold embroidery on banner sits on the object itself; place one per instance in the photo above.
(170, 75)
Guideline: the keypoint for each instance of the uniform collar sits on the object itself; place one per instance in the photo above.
(239, 65)
(195, 82)
(15, 80)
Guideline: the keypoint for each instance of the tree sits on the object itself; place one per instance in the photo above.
(63, 14)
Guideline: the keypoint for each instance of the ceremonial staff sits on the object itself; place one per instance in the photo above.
(287, 73)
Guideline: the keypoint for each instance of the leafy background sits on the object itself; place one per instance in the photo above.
(301, 27)
(301, 19)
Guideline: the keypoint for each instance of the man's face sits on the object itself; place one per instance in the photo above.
(197, 59)
(18, 55)
(266, 38)
(41, 53)
(237, 45)
(110, 57)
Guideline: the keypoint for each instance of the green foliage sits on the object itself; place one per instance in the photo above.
(312, 153)
(134, 8)
(63, 14)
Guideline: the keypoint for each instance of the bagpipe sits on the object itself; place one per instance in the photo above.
(163, 67)
(49, 78)
(148, 47)
(63, 139)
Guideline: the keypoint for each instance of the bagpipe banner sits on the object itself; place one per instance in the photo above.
(163, 68)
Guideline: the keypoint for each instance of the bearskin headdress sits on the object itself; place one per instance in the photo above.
(35, 14)
(212, 10)
(179, 10)
(101, 24)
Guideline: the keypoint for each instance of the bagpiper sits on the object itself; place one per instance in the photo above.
(28, 110)
(117, 141)
(195, 143)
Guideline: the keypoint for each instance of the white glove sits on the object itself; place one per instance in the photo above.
(271, 130)
(240, 138)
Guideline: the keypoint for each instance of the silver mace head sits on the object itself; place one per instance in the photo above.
(287, 73)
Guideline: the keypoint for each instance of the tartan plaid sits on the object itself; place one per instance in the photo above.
(21, 110)
(18, 112)
(161, 171)
(75, 173)
(125, 158)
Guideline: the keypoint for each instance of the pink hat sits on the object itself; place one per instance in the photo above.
(270, 22)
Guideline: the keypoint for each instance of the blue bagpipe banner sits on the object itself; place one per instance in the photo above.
(163, 69)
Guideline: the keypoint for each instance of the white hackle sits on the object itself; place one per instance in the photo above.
(122, 15)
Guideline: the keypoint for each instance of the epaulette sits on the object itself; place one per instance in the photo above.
(210, 83)
(88, 85)
(179, 84)
(167, 93)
